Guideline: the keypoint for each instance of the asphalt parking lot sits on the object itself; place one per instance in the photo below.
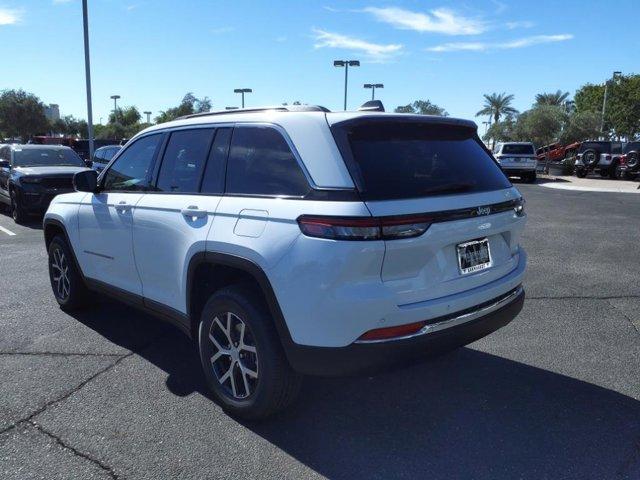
(112, 393)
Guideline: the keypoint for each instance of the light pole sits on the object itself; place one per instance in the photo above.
(115, 106)
(604, 102)
(373, 87)
(346, 64)
(87, 69)
(486, 126)
(148, 114)
(242, 91)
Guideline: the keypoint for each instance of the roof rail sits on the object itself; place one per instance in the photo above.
(279, 108)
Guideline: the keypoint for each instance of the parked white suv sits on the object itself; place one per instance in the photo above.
(517, 159)
(296, 241)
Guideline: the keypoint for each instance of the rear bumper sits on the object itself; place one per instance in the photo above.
(358, 358)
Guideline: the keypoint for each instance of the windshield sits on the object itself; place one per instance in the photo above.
(46, 157)
(517, 149)
(408, 160)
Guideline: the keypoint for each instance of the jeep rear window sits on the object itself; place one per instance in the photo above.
(409, 160)
(516, 149)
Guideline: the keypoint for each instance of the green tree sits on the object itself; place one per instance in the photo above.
(496, 105)
(423, 107)
(126, 116)
(581, 126)
(541, 125)
(504, 131)
(21, 114)
(554, 99)
(589, 98)
(189, 105)
(622, 114)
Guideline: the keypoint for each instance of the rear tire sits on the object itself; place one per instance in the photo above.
(530, 177)
(581, 172)
(67, 283)
(244, 364)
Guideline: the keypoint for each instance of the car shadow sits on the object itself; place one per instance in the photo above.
(34, 223)
(467, 414)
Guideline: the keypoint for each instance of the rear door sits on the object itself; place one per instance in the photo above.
(172, 222)
(444, 174)
(5, 154)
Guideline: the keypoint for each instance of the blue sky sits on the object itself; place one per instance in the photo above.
(151, 52)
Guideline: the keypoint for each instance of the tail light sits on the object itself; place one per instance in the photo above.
(364, 228)
(394, 227)
(623, 160)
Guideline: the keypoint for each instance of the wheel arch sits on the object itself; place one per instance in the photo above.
(210, 271)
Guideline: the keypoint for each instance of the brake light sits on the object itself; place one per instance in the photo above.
(623, 160)
(392, 332)
(364, 228)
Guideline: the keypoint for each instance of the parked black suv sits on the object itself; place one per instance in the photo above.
(31, 175)
(103, 155)
(629, 166)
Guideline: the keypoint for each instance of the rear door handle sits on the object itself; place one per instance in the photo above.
(193, 211)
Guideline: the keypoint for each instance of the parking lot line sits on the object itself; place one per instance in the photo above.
(6, 230)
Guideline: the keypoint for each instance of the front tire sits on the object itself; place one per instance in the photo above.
(242, 358)
(17, 212)
(67, 284)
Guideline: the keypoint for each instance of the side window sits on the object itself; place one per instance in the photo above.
(213, 181)
(261, 163)
(4, 154)
(130, 173)
(184, 160)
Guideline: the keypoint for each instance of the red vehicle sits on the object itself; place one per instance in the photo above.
(555, 152)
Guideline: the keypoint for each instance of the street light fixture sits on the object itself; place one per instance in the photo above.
(346, 64)
(148, 114)
(115, 106)
(604, 101)
(242, 91)
(373, 87)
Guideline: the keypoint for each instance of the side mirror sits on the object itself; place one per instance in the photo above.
(86, 181)
(5, 164)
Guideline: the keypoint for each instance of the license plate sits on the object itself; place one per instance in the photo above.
(474, 256)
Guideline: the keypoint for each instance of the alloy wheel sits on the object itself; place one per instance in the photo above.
(60, 274)
(235, 357)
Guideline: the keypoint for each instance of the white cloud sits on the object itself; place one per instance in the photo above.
(440, 20)
(374, 51)
(281, 39)
(485, 46)
(10, 16)
(520, 24)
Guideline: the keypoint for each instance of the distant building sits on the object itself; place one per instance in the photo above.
(52, 112)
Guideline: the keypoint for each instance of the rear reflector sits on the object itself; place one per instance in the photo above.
(392, 332)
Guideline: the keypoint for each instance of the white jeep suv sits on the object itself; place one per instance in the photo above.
(517, 159)
(295, 241)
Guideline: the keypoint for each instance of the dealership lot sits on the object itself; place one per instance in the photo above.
(112, 393)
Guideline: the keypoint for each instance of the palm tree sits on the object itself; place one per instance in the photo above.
(556, 99)
(496, 105)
